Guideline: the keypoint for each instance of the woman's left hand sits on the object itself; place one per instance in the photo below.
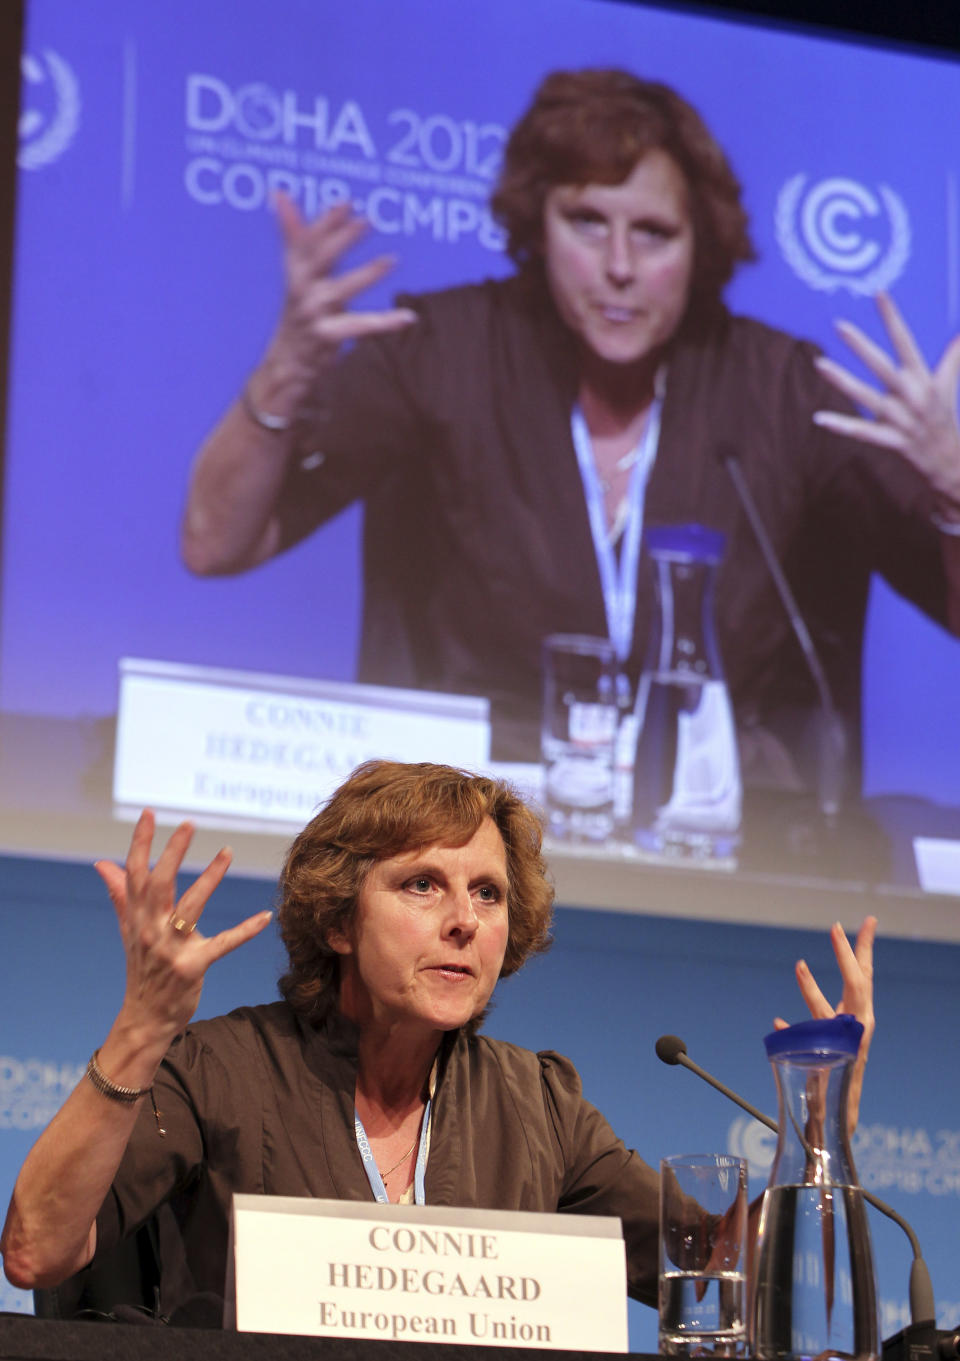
(856, 970)
(914, 413)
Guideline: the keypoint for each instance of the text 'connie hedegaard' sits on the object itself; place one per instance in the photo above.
(472, 1278)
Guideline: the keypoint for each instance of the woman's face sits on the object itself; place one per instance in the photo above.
(429, 935)
(619, 259)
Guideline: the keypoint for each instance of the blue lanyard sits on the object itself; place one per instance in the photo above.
(619, 581)
(373, 1171)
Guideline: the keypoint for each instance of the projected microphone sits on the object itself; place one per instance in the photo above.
(833, 740)
(671, 1049)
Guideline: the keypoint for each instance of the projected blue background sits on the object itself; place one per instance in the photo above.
(149, 276)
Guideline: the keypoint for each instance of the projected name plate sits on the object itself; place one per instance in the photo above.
(242, 747)
(338, 1269)
(938, 864)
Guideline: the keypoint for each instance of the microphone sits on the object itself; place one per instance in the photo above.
(671, 1049)
(833, 739)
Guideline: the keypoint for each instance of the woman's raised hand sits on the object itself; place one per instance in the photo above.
(167, 956)
(856, 971)
(51, 1224)
(914, 411)
(314, 322)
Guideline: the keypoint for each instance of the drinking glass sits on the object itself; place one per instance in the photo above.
(578, 735)
(703, 1255)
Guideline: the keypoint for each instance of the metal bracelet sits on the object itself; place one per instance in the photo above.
(112, 1090)
(265, 419)
(951, 527)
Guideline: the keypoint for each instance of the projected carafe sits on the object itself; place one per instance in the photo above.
(815, 1292)
(686, 775)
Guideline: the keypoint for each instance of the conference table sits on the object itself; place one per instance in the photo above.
(23, 1338)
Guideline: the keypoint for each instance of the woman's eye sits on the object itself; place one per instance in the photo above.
(420, 885)
(653, 231)
(586, 222)
(489, 894)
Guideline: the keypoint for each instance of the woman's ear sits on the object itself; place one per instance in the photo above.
(339, 941)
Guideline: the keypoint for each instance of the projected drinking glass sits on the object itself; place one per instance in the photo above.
(578, 735)
(703, 1255)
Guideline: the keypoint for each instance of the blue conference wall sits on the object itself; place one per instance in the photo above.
(610, 985)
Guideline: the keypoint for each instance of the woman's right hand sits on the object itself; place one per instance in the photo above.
(167, 957)
(51, 1224)
(314, 322)
(230, 522)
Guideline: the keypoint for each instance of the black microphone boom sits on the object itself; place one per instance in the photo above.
(833, 738)
(671, 1049)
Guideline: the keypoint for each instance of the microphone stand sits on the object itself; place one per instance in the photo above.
(833, 739)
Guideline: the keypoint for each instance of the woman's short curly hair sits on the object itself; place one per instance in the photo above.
(592, 127)
(383, 809)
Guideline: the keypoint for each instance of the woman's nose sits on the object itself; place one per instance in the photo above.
(462, 916)
(619, 262)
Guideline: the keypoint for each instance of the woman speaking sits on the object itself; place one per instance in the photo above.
(511, 440)
(401, 904)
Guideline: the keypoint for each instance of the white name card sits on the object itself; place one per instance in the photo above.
(938, 864)
(335, 1268)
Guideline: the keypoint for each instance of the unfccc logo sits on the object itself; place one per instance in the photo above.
(837, 233)
(747, 1138)
(51, 114)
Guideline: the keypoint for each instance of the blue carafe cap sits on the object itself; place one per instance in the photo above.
(686, 543)
(834, 1035)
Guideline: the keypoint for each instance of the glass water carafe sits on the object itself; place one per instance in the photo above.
(814, 1290)
(686, 772)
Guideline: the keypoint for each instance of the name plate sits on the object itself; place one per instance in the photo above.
(334, 1268)
(263, 752)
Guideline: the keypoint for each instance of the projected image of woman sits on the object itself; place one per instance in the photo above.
(482, 425)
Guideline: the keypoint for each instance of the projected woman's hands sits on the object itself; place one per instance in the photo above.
(315, 322)
(915, 411)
